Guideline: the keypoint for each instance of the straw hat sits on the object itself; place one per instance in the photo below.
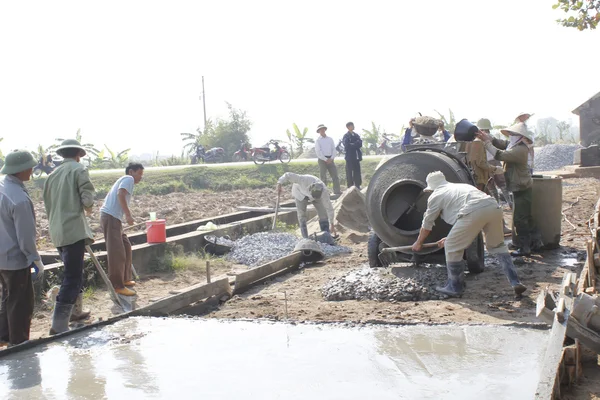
(522, 114)
(321, 127)
(70, 144)
(518, 129)
(434, 180)
(17, 161)
(484, 123)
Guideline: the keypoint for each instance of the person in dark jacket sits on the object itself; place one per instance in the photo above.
(352, 145)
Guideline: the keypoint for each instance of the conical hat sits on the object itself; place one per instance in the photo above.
(518, 129)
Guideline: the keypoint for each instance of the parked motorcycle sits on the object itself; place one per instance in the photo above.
(244, 153)
(340, 148)
(264, 154)
(215, 155)
(48, 167)
(390, 145)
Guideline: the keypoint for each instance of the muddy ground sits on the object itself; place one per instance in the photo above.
(488, 298)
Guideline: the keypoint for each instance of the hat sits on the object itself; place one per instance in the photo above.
(529, 115)
(518, 129)
(316, 190)
(484, 123)
(434, 180)
(70, 144)
(321, 127)
(17, 161)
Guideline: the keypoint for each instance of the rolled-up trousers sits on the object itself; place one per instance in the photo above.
(118, 251)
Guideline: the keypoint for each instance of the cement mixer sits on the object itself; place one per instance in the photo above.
(396, 204)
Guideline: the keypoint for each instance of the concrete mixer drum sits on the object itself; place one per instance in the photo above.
(396, 204)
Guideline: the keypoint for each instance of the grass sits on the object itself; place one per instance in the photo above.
(89, 292)
(221, 178)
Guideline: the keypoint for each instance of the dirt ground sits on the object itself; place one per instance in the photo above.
(488, 298)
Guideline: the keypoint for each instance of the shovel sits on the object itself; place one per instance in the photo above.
(387, 255)
(276, 210)
(111, 290)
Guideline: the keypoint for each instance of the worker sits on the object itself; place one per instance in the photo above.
(325, 149)
(523, 117)
(310, 189)
(498, 181)
(515, 153)
(410, 134)
(352, 146)
(118, 247)
(18, 252)
(68, 197)
(469, 211)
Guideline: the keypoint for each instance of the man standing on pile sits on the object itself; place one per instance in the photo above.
(118, 247)
(469, 211)
(68, 196)
(325, 149)
(18, 252)
(498, 181)
(515, 154)
(309, 189)
(352, 145)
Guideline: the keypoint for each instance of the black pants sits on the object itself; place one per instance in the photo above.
(72, 258)
(353, 177)
(16, 309)
(522, 216)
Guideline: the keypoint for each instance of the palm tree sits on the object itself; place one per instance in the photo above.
(372, 137)
(450, 122)
(112, 160)
(298, 138)
(42, 151)
(194, 141)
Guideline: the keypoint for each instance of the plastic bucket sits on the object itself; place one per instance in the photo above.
(156, 231)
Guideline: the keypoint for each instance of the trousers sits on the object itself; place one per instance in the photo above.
(522, 216)
(118, 251)
(324, 168)
(16, 309)
(467, 227)
(72, 258)
(353, 174)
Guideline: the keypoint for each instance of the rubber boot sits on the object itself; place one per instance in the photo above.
(524, 249)
(60, 318)
(324, 225)
(536, 242)
(304, 230)
(78, 314)
(511, 273)
(456, 280)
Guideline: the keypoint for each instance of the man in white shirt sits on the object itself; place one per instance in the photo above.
(325, 148)
(469, 211)
(118, 247)
(310, 189)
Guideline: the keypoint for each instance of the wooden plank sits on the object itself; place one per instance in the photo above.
(245, 279)
(590, 262)
(188, 296)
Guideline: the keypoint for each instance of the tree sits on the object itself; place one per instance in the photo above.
(563, 130)
(112, 160)
(298, 138)
(450, 122)
(90, 149)
(196, 140)
(585, 14)
(42, 151)
(372, 137)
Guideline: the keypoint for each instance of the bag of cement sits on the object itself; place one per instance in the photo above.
(208, 227)
(427, 126)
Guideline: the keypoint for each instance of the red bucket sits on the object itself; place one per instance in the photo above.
(156, 231)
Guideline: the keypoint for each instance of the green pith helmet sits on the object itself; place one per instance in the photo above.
(70, 144)
(316, 190)
(484, 123)
(17, 161)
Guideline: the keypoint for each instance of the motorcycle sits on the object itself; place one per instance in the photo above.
(48, 167)
(264, 154)
(215, 155)
(389, 145)
(243, 153)
(340, 148)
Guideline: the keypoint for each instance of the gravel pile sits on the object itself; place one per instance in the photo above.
(220, 240)
(381, 285)
(554, 156)
(262, 247)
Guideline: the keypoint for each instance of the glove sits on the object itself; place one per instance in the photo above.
(37, 270)
(498, 171)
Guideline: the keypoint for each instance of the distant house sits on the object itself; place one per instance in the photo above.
(589, 121)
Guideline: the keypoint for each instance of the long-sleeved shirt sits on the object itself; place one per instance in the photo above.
(516, 169)
(325, 148)
(408, 138)
(17, 226)
(452, 201)
(352, 144)
(301, 190)
(67, 192)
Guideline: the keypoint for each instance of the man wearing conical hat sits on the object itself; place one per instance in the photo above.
(68, 196)
(523, 117)
(18, 251)
(515, 154)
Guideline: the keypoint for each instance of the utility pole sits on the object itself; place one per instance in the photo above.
(204, 102)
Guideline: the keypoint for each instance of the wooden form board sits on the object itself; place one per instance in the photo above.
(246, 279)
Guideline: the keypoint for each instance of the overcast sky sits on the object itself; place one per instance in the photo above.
(128, 73)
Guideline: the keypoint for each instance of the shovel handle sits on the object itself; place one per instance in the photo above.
(276, 211)
(111, 290)
(407, 248)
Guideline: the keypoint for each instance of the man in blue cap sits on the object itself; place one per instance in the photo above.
(18, 251)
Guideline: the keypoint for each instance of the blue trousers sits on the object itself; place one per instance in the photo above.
(72, 257)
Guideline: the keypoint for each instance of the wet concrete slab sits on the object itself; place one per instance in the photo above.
(145, 358)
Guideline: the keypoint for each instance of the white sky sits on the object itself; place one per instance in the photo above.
(128, 73)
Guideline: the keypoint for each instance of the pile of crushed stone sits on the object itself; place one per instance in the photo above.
(554, 156)
(263, 247)
(225, 241)
(382, 285)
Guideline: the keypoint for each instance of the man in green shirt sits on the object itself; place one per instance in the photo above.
(68, 193)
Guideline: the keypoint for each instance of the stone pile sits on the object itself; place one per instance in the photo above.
(554, 156)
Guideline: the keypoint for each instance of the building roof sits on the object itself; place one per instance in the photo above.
(586, 104)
